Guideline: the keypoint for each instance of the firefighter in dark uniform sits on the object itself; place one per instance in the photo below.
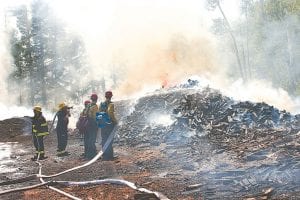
(39, 130)
(83, 126)
(63, 115)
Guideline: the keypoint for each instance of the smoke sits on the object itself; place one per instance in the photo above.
(144, 43)
(261, 91)
(5, 63)
(156, 119)
(148, 45)
(169, 62)
(7, 112)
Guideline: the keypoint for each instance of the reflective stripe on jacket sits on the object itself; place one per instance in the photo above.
(40, 126)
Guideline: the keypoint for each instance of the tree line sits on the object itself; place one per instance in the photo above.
(49, 62)
(265, 41)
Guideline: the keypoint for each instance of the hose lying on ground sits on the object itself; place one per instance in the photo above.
(108, 141)
(53, 188)
(41, 176)
(88, 183)
(113, 181)
(25, 188)
(32, 177)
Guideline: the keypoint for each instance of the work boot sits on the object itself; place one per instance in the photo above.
(115, 157)
(63, 154)
(34, 158)
(43, 157)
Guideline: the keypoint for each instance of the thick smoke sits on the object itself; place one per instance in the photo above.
(150, 45)
(261, 91)
(5, 63)
(147, 44)
(167, 63)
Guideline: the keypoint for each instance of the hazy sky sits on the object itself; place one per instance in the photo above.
(101, 22)
(139, 32)
(76, 11)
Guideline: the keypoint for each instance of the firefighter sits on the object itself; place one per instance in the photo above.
(92, 128)
(108, 107)
(83, 126)
(39, 130)
(63, 115)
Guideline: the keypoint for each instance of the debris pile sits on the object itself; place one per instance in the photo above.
(230, 148)
(204, 112)
(191, 143)
(11, 128)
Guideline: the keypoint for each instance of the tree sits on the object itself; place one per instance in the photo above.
(213, 4)
(48, 60)
(274, 31)
(21, 53)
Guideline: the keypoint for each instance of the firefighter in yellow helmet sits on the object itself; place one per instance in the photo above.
(63, 115)
(39, 130)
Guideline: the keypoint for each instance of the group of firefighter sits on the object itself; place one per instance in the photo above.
(88, 125)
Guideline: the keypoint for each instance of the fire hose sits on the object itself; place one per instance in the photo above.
(52, 124)
(69, 183)
(88, 183)
(53, 188)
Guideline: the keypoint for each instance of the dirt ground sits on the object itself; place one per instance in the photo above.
(127, 166)
(264, 167)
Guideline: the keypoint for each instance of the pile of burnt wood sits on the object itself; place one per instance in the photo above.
(204, 111)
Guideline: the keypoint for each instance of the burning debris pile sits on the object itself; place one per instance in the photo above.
(235, 149)
(191, 143)
(205, 112)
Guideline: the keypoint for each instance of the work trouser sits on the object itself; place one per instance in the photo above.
(62, 140)
(90, 139)
(85, 142)
(38, 142)
(108, 153)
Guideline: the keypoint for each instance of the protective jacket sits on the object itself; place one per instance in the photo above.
(93, 109)
(39, 126)
(109, 108)
(91, 132)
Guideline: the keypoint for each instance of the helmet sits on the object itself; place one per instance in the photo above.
(94, 96)
(87, 102)
(37, 108)
(108, 94)
(61, 105)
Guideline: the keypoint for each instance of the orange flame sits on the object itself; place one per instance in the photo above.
(164, 80)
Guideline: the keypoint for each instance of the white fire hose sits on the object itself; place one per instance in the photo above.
(69, 183)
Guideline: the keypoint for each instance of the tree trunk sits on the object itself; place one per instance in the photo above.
(247, 45)
(43, 75)
(29, 61)
(233, 40)
(244, 63)
(262, 10)
(292, 85)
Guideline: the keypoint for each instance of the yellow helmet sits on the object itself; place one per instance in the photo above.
(61, 106)
(37, 108)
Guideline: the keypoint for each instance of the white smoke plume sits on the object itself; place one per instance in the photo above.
(5, 62)
(152, 44)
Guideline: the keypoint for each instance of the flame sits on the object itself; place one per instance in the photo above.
(164, 80)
